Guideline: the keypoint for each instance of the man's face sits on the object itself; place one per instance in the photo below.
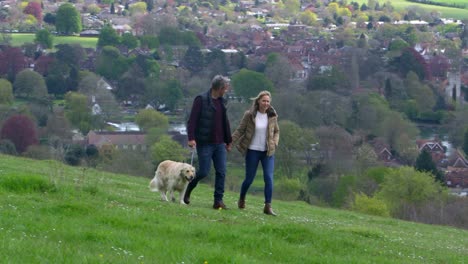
(222, 91)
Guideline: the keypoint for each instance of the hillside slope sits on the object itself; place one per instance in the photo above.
(53, 213)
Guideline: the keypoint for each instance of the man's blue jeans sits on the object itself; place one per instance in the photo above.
(252, 158)
(206, 154)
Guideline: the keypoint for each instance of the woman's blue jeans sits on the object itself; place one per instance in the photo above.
(207, 153)
(252, 158)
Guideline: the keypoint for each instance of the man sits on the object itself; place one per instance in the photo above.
(209, 131)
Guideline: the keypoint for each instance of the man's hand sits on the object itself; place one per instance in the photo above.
(228, 147)
(192, 143)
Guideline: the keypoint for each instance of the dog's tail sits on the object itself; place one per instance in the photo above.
(153, 185)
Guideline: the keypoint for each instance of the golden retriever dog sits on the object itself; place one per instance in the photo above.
(172, 176)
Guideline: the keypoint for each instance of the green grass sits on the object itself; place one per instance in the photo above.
(75, 215)
(447, 12)
(86, 42)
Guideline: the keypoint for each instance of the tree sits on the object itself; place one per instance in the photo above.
(7, 147)
(129, 41)
(35, 9)
(148, 41)
(138, 8)
(308, 18)
(108, 37)
(193, 60)
(168, 149)
(294, 140)
(278, 71)
(248, 84)
(6, 92)
(425, 163)
(12, 61)
(411, 60)
(30, 84)
(49, 18)
(44, 38)
(68, 19)
(110, 63)
(20, 130)
(465, 142)
(78, 112)
(149, 118)
(149, 5)
(405, 188)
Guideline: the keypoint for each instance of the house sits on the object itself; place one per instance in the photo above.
(456, 177)
(382, 150)
(127, 140)
(434, 147)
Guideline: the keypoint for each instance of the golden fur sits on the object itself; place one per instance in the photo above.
(172, 176)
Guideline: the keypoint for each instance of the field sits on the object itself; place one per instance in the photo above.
(20, 38)
(447, 12)
(53, 213)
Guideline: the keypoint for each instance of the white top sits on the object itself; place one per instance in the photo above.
(259, 138)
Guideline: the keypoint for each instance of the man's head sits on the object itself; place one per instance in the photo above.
(219, 85)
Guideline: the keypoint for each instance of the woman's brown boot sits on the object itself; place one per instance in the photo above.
(241, 203)
(267, 210)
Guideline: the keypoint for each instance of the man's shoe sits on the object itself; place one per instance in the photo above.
(219, 205)
(241, 204)
(187, 198)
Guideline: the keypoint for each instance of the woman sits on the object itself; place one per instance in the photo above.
(257, 138)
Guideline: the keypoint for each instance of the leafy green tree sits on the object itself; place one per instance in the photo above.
(111, 64)
(108, 37)
(6, 92)
(149, 118)
(7, 147)
(334, 80)
(171, 94)
(30, 84)
(56, 78)
(78, 112)
(168, 149)
(149, 41)
(248, 84)
(68, 19)
(425, 163)
(129, 41)
(295, 142)
(44, 38)
(308, 18)
(194, 60)
(405, 188)
(216, 63)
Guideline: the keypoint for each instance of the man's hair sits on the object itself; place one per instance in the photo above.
(219, 82)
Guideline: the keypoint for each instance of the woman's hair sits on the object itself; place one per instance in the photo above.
(219, 82)
(260, 95)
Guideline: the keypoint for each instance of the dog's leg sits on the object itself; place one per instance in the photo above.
(163, 195)
(172, 195)
(182, 194)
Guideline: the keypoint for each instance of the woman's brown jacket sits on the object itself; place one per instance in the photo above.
(246, 129)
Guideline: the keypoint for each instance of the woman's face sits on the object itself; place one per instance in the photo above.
(263, 103)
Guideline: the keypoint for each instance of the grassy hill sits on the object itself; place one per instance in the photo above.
(53, 213)
(447, 12)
